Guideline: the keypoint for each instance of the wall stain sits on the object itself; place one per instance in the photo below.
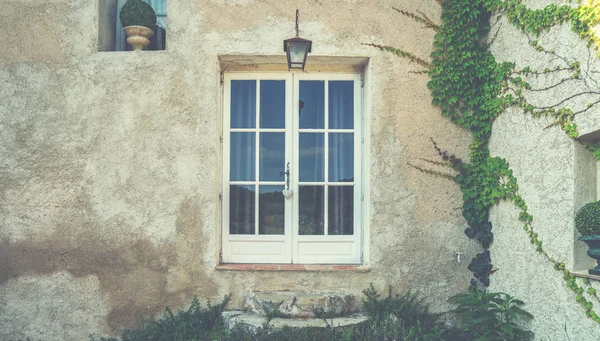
(133, 272)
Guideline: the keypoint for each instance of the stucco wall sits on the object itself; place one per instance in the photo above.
(109, 189)
(556, 176)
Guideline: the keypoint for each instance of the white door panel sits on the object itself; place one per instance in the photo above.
(257, 251)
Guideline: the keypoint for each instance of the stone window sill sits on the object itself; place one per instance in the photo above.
(584, 274)
(292, 267)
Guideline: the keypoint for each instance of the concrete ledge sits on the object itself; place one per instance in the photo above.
(292, 267)
(584, 274)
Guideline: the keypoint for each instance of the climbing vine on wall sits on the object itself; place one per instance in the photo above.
(472, 89)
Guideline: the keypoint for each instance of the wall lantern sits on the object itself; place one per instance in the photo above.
(296, 49)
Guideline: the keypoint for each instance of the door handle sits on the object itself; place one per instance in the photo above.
(287, 193)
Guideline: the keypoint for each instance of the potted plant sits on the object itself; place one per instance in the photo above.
(138, 20)
(587, 222)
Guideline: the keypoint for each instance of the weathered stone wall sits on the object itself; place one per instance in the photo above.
(556, 176)
(108, 185)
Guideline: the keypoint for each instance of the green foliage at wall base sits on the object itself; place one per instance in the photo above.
(492, 316)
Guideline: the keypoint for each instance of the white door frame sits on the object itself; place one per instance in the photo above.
(290, 247)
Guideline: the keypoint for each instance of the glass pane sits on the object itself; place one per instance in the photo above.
(241, 209)
(242, 158)
(341, 157)
(243, 104)
(312, 104)
(272, 156)
(272, 104)
(341, 105)
(297, 51)
(340, 213)
(271, 210)
(311, 210)
(312, 157)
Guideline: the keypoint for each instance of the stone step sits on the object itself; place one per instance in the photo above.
(300, 305)
(346, 321)
(280, 323)
(254, 322)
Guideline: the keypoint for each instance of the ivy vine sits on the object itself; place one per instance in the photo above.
(472, 89)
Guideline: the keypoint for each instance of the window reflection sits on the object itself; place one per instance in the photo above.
(272, 104)
(312, 157)
(241, 209)
(341, 157)
(242, 156)
(272, 156)
(243, 104)
(341, 104)
(311, 210)
(312, 104)
(340, 220)
(271, 210)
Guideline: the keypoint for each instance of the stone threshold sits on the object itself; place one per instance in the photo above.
(584, 274)
(292, 267)
(253, 322)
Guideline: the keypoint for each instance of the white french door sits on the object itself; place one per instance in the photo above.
(291, 169)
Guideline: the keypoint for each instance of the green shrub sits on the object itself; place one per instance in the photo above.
(487, 316)
(137, 12)
(587, 220)
(196, 323)
(491, 316)
(401, 318)
(405, 317)
(410, 308)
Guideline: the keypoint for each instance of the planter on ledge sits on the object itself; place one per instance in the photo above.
(587, 222)
(138, 19)
(593, 243)
(138, 36)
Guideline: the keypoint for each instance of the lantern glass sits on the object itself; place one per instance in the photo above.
(297, 50)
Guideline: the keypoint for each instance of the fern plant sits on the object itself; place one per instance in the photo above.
(492, 316)
(195, 323)
(410, 308)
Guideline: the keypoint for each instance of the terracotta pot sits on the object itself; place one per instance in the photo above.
(137, 36)
(593, 243)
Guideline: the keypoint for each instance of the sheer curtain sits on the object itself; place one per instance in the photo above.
(160, 8)
(340, 198)
(242, 163)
